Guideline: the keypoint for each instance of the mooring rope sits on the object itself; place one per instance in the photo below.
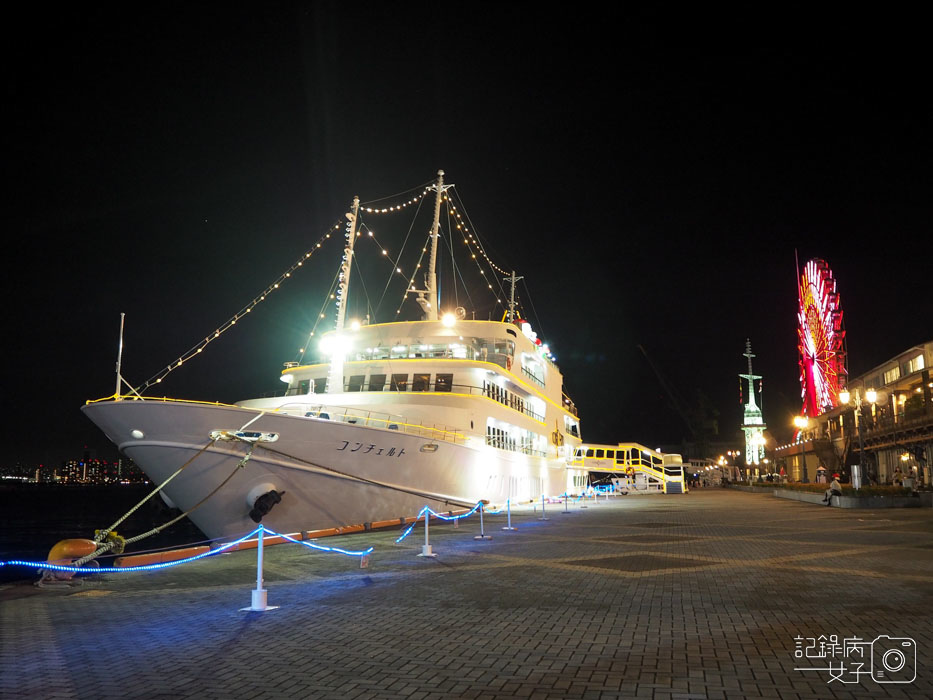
(121, 542)
(101, 535)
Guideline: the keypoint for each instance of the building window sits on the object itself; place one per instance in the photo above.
(915, 365)
(443, 382)
(892, 375)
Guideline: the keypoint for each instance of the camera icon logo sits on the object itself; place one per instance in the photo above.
(893, 659)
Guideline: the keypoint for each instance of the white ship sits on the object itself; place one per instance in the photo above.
(441, 411)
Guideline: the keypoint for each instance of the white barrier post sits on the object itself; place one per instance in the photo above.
(543, 513)
(259, 594)
(508, 510)
(482, 533)
(426, 549)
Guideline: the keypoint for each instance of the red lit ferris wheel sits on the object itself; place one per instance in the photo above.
(820, 337)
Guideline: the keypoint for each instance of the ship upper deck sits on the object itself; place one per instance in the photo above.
(508, 345)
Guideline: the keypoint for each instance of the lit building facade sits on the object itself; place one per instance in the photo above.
(883, 420)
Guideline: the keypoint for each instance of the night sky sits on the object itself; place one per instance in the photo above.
(651, 181)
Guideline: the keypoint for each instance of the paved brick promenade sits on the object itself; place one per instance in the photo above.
(696, 596)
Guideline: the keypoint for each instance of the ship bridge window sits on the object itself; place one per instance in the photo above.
(356, 382)
(571, 426)
(377, 382)
(600, 454)
(320, 384)
(399, 382)
(304, 386)
(420, 382)
(590, 452)
(443, 382)
(496, 350)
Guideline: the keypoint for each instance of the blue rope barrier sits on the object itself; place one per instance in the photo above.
(431, 512)
(320, 547)
(186, 560)
(125, 569)
(425, 512)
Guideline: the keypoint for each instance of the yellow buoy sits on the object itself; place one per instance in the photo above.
(67, 551)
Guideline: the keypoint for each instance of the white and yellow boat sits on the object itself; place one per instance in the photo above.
(440, 411)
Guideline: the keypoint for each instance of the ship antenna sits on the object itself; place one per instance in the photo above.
(430, 303)
(513, 279)
(335, 379)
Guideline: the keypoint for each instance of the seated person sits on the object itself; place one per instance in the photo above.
(835, 489)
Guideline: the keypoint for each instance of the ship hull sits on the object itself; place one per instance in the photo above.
(330, 473)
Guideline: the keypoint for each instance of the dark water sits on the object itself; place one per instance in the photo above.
(33, 517)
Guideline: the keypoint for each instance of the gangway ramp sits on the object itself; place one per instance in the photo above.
(632, 467)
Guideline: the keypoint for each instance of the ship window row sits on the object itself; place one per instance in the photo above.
(471, 349)
(419, 381)
(512, 400)
(422, 382)
(509, 437)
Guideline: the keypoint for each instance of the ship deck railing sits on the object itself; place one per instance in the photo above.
(373, 419)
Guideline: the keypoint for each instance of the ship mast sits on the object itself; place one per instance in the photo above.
(430, 303)
(335, 376)
(513, 279)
